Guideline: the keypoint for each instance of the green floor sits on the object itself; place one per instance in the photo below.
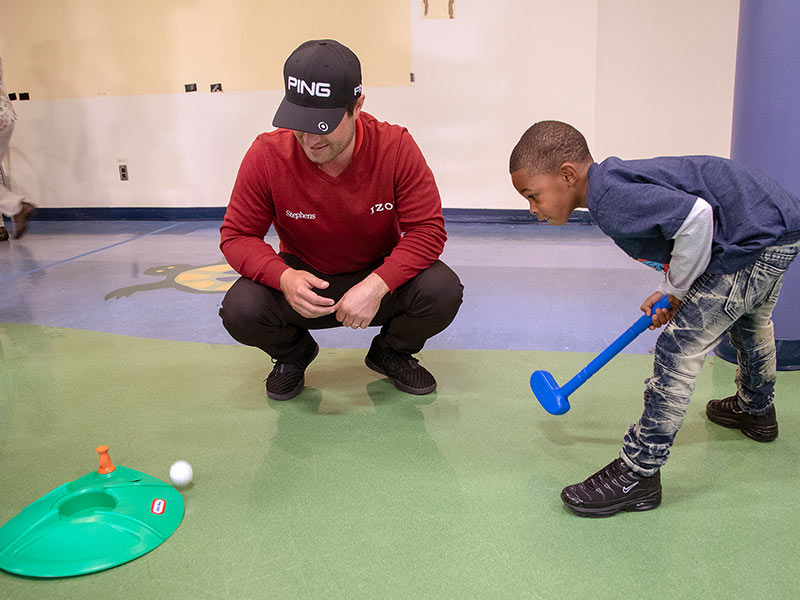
(355, 490)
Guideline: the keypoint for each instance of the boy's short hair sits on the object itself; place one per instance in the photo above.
(545, 146)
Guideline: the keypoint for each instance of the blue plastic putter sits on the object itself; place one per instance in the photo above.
(554, 399)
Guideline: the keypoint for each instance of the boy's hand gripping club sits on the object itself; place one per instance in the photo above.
(554, 398)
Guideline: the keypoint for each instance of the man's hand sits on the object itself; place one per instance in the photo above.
(662, 315)
(361, 302)
(298, 286)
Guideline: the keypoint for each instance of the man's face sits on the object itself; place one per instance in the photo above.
(550, 197)
(321, 149)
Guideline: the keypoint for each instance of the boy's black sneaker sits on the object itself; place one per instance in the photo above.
(402, 369)
(612, 489)
(728, 413)
(287, 379)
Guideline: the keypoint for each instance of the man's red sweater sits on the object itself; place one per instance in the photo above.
(335, 224)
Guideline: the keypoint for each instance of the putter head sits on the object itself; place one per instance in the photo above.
(547, 392)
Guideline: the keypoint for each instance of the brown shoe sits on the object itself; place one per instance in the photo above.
(21, 219)
(3, 234)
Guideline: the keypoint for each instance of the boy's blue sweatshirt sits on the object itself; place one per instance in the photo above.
(641, 204)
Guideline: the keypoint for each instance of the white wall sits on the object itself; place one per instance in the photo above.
(638, 77)
(484, 77)
(665, 73)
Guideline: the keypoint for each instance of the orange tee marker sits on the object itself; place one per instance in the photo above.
(105, 461)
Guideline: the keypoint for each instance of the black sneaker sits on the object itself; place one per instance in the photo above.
(402, 369)
(613, 488)
(728, 413)
(3, 233)
(287, 379)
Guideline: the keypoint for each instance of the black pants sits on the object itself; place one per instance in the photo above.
(258, 315)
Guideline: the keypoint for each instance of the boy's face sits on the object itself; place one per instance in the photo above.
(552, 197)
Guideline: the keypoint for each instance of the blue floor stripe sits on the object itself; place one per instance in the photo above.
(66, 260)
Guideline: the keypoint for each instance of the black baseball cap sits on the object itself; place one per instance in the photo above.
(321, 77)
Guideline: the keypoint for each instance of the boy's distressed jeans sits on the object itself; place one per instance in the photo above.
(740, 304)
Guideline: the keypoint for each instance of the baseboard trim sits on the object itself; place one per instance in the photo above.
(210, 213)
(216, 213)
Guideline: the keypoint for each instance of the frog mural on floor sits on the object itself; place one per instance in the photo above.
(207, 279)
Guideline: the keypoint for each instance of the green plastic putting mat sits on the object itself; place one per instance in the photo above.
(101, 520)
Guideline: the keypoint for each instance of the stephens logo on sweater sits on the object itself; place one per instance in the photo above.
(300, 215)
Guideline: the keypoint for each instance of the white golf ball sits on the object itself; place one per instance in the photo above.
(180, 473)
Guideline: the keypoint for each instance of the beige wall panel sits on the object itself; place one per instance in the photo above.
(85, 48)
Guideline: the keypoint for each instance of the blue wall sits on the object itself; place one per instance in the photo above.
(766, 117)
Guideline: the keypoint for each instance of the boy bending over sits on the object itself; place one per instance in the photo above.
(723, 235)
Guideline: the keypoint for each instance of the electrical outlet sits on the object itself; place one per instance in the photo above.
(123, 172)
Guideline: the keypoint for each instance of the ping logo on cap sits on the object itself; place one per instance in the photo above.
(321, 80)
(316, 88)
(158, 506)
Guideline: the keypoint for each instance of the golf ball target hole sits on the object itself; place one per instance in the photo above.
(180, 473)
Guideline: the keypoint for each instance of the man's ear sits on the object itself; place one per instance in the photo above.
(359, 106)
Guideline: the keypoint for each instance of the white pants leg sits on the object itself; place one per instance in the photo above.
(10, 203)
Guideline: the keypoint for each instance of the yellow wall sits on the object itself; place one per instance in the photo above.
(84, 48)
